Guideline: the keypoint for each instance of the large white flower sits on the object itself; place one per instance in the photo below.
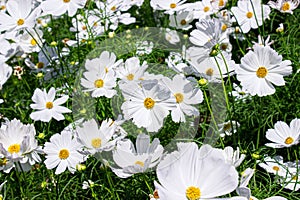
(62, 151)
(131, 161)
(18, 143)
(250, 14)
(284, 6)
(47, 107)
(199, 174)
(59, 7)
(21, 15)
(169, 6)
(260, 68)
(283, 135)
(186, 95)
(96, 139)
(147, 106)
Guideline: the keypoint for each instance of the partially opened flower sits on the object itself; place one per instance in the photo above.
(292, 179)
(18, 144)
(181, 20)
(283, 135)
(274, 165)
(233, 157)
(227, 128)
(199, 174)
(97, 139)
(260, 69)
(62, 152)
(130, 161)
(47, 107)
(284, 6)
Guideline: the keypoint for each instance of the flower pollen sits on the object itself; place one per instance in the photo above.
(206, 9)
(20, 22)
(249, 15)
(179, 97)
(183, 22)
(276, 168)
(261, 72)
(64, 154)
(66, 1)
(139, 163)
(14, 148)
(289, 140)
(193, 193)
(96, 142)
(173, 5)
(33, 42)
(130, 77)
(49, 105)
(209, 72)
(285, 6)
(149, 103)
(99, 83)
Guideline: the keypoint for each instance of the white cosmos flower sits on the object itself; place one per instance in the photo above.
(250, 14)
(131, 70)
(292, 180)
(233, 157)
(172, 36)
(31, 40)
(181, 20)
(201, 9)
(18, 143)
(59, 7)
(132, 160)
(21, 15)
(169, 6)
(260, 68)
(283, 135)
(227, 128)
(5, 73)
(284, 6)
(186, 95)
(147, 107)
(97, 139)
(62, 151)
(47, 107)
(274, 165)
(199, 174)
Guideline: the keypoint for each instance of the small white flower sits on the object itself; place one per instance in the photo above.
(62, 151)
(131, 161)
(284, 6)
(5, 73)
(172, 36)
(47, 107)
(260, 68)
(280, 28)
(181, 20)
(186, 96)
(274, 165)
(283, 135)
(87, 184)
(96, 139)
(227, 128)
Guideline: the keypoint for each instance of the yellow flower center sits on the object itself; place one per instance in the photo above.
(96, 143)
(206, 9)
(209, 72)
(249, 14)
(179, 97)
(193, 193)
(113, 8)
(261, 72)
(64, 154)
(139, 163)
(14, 148)
(289, 140)
(221, 3)
(40, 65)
(20, 22)
(2, 7)
(33, 42)
(226, 126)
(66, 1)
(130, 77)
(224, 27)
(83, 27)
(173, 5)
(285, 6)
(183, 22)
(99, 83)
(295, 178)
(276, 168)
(149, 103)
(49, 105)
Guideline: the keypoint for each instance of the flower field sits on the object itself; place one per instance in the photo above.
(150, 99)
